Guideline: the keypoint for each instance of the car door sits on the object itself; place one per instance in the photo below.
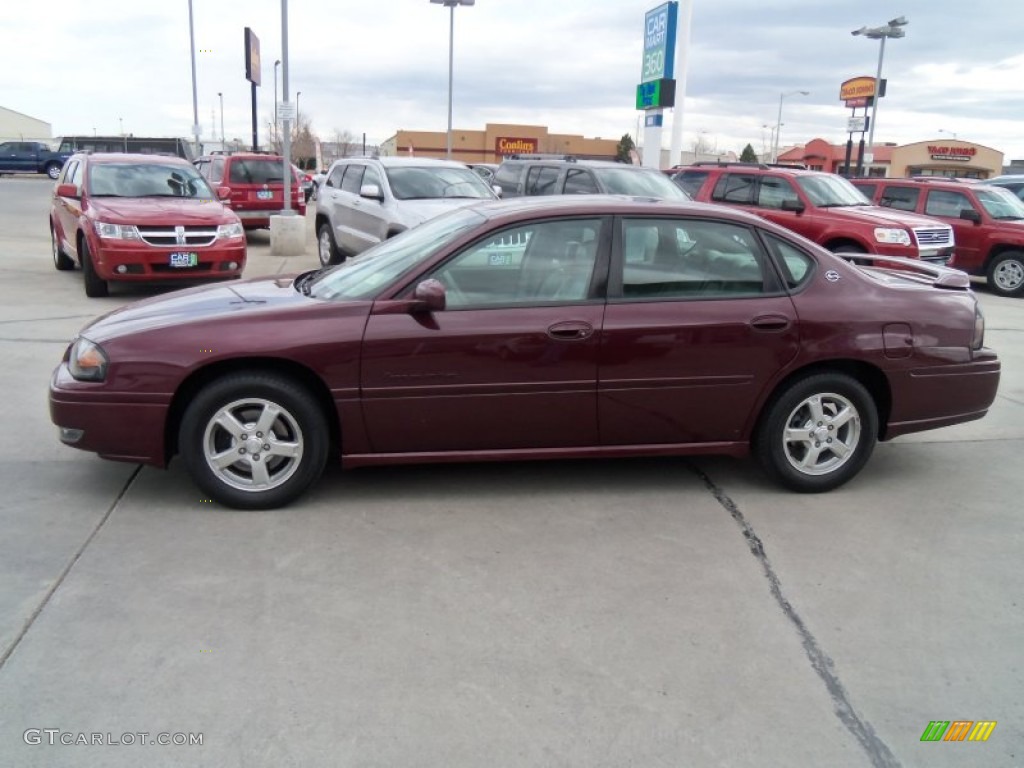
(511, 363)
(347, 200)
(68, 209)
(697, 323)
(367, 216)
(947, 205)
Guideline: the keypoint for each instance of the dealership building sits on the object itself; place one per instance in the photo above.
(15, 126)
(497, 141)
(934, 157)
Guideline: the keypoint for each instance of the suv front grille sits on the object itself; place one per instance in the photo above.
(164, 235)
(933, 237)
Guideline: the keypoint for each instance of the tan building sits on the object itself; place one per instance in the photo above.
(496, 141)
(945, 157)
(14, 126)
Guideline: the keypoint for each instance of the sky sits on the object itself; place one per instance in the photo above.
(377, 66)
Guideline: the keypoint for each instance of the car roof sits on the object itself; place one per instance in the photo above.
(405, 162)
(132, 157)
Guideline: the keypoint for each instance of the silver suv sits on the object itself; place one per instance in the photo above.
(364, 201)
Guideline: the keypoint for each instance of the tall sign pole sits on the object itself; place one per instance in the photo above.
(682, 64)
(252, 74)
(657, 84)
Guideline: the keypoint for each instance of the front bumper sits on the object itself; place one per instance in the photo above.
(122, 426)
(132, 261)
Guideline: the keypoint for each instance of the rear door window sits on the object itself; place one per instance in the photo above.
(901, 198)
(540, 180)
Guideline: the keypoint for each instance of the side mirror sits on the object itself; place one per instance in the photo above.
(430, 296)
(223, 193)
(67, 190)
(497, 189)
(793, 205)
(371, 191)
(971, 215)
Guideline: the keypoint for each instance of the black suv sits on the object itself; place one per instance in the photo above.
(531, 175)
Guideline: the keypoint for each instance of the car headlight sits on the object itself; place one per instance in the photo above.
(116, 231)
(892, 236)
(87, 361)
(226, 231)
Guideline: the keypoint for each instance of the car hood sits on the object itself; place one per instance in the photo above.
(160, 210)
(201, 305)
(883, 217)
(413, 212)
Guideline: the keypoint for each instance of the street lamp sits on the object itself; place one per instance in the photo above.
(778, 121)
(222, 140)
(276, 65)
(297, 94)
(951, 133)
(450, 5)
(893, 29)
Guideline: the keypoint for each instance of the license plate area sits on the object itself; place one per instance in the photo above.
(184, 259)
(265, 194)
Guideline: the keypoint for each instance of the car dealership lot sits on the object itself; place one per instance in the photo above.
(647, 612)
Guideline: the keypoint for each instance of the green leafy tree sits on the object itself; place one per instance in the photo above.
(625, 146)
(748, 155)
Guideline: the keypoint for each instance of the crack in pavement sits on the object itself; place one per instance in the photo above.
(67, 569)
(46, 319)
(880, 754)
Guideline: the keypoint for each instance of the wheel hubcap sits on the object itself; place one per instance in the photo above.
(253, 445)
(325, 249)
(821, 434)
(1009, 275)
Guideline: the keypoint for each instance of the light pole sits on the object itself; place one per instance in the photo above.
(222, 139)
(450, 5)
(297, 94)
(276, 65)
(951, 133)
(893, 29)
(195, 97)
(778, 121)
(771, 138)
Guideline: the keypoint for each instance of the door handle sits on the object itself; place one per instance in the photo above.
(770, 323)
(571, 330)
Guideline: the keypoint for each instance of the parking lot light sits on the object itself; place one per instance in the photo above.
(893, 29)
(450, 5)
(778, 121)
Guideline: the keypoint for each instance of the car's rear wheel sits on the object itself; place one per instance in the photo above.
(818, 432)
(327, 249)
(61, 261)
(1006, 274)
(254, 440)
(53, 170)
(95, 286)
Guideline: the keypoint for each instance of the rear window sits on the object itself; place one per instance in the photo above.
(256, 171)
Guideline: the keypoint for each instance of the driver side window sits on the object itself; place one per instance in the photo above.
(538, 263)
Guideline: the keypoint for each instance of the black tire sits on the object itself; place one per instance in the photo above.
(326, 248)
(95, 288)
(61, 261)
(53, 170)
(814, 464)
(1005, 274)
(298, 426)
(851, 248)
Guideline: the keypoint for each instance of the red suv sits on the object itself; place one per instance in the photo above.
(822, 207)
(141, 217)
(988, 222)
(252, 185)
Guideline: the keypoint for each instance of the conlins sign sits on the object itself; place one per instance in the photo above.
(509, 145)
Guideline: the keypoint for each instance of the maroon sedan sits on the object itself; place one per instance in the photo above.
(534, 329)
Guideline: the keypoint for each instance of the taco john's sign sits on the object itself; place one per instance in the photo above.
(509, 145)
(960, 154)
(857, 91)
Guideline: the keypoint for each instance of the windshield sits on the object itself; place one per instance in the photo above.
(146, 180)
(365, 275)
(419, 183)
(826, 190)
(632, 181)
(1000, 203)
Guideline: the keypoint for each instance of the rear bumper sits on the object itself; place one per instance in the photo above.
(118, 426)
(940, 396)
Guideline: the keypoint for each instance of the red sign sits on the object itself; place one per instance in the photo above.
(966, 152)
(509, 145)
(857, 88)
(861, 102)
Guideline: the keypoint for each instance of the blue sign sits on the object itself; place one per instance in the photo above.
(660, 42)
(652, 121)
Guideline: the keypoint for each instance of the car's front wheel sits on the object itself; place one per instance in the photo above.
(61, 261)
(327, 249)
(95, 286)
(1006, 274)
(817, 433)
(254, 440)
